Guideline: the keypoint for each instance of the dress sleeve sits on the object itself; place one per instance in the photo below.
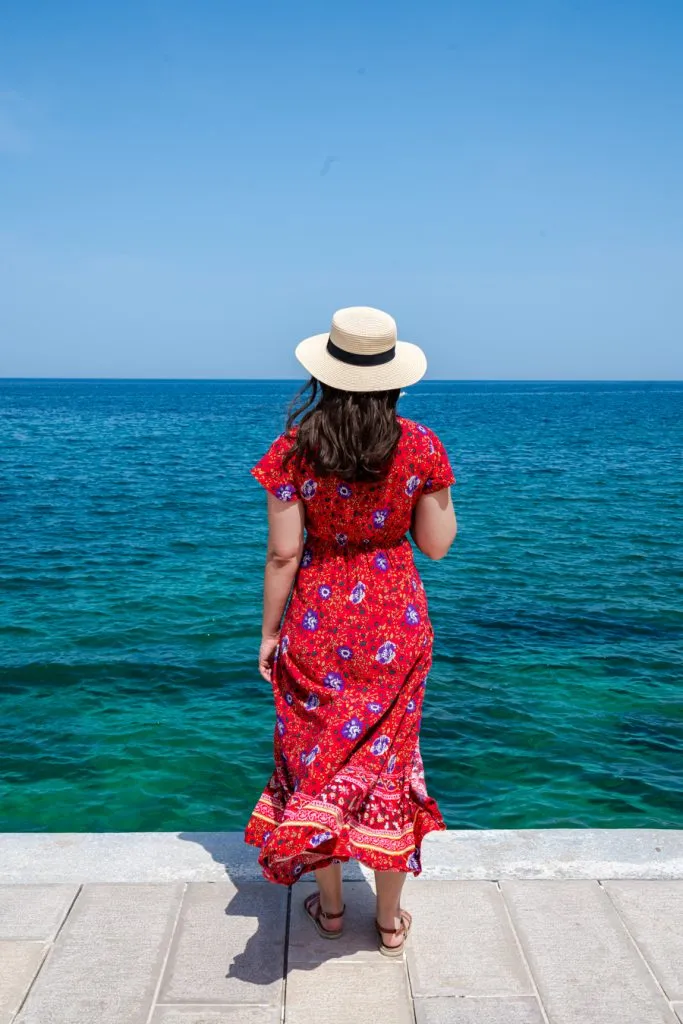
(271, 474)
(440, 472)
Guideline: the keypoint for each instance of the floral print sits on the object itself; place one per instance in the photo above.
(379, 517)
(333, 681)
(320, 837)
(412, 615)
(306, 558)
(352, 729)
(285, 492)
(310, 621)
(386, 652)
(380, 745)
(349, 680)
(311, 756)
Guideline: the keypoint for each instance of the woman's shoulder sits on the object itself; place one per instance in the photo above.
(283, 443)
(422, 445)
(417, 433)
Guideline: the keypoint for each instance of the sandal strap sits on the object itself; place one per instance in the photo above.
(320, 912)
(391, 931)
(330, 917)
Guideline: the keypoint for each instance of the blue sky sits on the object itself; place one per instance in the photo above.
(186, 189)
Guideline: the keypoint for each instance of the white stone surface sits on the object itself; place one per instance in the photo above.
(211, 950)
(19, 964)
(229, 945)
(237, 1014)
(581, 956)
(453, 855)
(444, 1010)
(461, 942)
(34, 912)
(653, 914)
(343, 992)
(555, 853)
(104, 967)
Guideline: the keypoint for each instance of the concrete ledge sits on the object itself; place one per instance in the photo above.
(75, 857)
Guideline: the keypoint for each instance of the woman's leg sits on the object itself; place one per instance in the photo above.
(389, 886)
(329, 881)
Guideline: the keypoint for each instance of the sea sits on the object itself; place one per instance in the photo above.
(132, 542)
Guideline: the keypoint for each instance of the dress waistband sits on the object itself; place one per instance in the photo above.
(341, 544)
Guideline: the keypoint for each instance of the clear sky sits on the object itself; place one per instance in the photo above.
(186, 189)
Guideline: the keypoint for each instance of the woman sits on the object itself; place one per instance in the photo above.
(349, 661)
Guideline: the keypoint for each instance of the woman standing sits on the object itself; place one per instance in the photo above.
(348, 663)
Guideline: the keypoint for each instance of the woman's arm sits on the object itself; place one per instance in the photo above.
(285, 546)
(434, 525)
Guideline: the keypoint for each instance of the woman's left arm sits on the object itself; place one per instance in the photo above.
(285, 546)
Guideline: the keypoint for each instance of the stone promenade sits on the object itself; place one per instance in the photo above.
(559, 926)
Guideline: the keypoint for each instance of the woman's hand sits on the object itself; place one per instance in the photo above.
(265, 657)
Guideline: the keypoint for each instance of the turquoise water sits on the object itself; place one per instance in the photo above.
(131, 547)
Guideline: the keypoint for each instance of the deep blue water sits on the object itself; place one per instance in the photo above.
(131, 549)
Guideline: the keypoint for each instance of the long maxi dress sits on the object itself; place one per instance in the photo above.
(349, 672)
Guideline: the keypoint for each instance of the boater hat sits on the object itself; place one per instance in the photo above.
(361, 352)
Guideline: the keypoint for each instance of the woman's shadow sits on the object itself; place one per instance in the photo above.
(284, 937)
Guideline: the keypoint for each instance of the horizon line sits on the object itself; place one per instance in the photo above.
(297, 380)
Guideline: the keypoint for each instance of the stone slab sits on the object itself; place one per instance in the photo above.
(461, 942)
(229, 945)
(451, 1010)
(653, 914)
(452, 855)
(358, 941)
(343, 992)
(582, 959)
(19, 964)
(104, 967)
(554, 853)
(237, 1014)
(678, 1007)
(34, 912)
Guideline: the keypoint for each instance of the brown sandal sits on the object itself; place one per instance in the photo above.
(403, 929)
(318, 913)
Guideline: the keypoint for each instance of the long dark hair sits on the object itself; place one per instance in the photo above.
(349, 434)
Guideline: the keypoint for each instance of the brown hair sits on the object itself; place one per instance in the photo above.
(349, 434)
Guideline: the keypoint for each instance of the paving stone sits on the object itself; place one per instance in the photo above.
(229, 945)
(454, 1010)
(584, 963)
(19, 964)
(359, 940)
(104, 967)
(343, 992)
(653, 914)
(461, 942)
(34, 912)
(678, 1007)
(236, 1014)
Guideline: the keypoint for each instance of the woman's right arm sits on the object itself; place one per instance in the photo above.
(434, 524)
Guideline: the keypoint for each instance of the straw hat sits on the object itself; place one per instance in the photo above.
(361, 352)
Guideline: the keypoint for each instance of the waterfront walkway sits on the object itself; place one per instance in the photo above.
(550, 927)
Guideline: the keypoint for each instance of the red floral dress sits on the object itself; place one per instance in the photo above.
(349, 672)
